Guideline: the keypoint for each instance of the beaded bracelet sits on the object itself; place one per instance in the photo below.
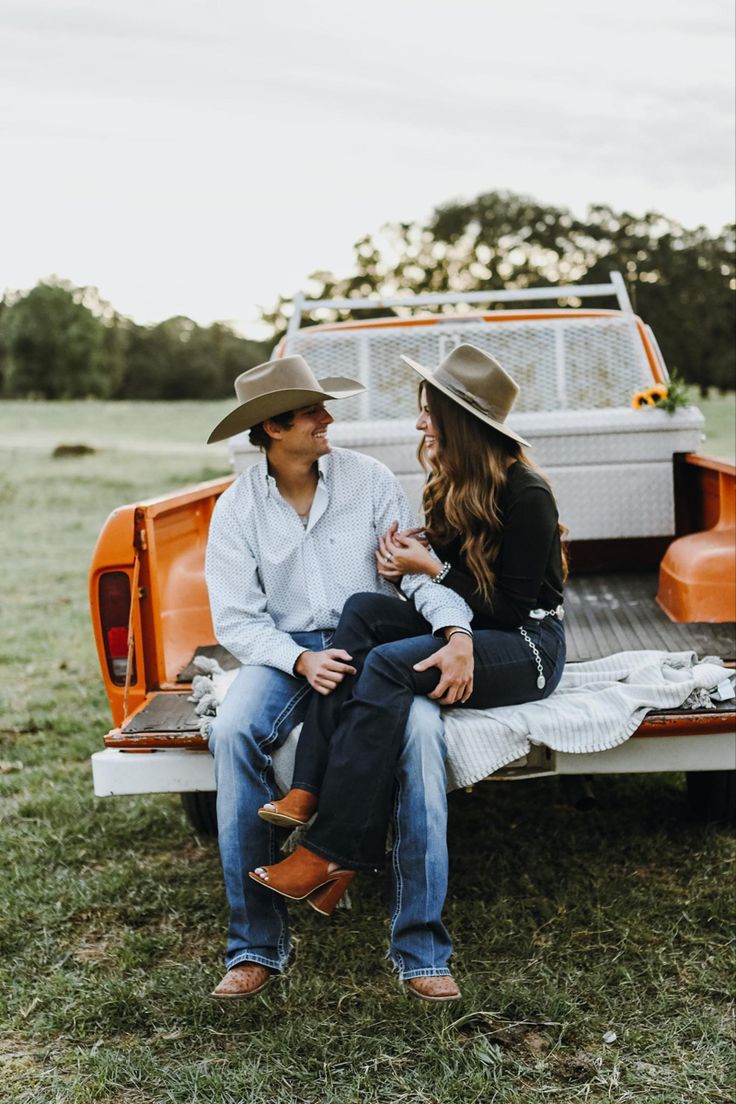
(439, 577)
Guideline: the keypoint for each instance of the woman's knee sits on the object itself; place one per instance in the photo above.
(359, 608)
(355, 631)
(390, 663)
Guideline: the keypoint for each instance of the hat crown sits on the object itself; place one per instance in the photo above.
(275, 387)
(290, 373)
(479, 379)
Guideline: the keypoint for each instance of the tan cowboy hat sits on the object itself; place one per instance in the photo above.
(476, 382)
(275, 387)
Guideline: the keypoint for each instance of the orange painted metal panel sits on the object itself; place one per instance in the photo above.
(697, 576)
(171, 615)
(115, 551)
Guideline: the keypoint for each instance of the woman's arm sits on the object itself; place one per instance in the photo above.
(530, 527)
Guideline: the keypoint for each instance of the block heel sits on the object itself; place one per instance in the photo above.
(305, 876)
(324, 899)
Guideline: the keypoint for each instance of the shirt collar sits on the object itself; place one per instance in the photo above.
(324, 471)
(266, 480)
(324, 468)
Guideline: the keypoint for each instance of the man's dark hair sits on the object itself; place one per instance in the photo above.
(258, 435)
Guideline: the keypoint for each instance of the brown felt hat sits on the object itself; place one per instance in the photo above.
(275, 387)
(476, 382)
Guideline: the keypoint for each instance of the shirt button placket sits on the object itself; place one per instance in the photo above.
(314, 584)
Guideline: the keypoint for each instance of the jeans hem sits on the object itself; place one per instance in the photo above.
(429, 971)
(304, 786)
(347, 864)
(260, 960)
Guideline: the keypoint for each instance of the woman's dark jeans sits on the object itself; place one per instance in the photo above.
(351, 738)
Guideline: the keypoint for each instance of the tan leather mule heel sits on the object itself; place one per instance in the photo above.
(295, 808)
(324, 899)
(304, 875)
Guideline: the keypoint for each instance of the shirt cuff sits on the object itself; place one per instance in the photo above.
(444, 618)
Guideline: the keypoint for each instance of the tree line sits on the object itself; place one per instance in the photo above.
(680, 281)
(60, 341)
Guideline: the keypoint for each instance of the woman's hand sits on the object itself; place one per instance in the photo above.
(404, 553)
(455, 662)
(385, 565)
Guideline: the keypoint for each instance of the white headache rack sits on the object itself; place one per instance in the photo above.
(562, 358)
(616, 288)
(577, 369)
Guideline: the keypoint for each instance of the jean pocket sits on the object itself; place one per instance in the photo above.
(552, 650)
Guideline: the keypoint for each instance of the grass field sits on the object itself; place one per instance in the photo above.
(183, 427)
(567, 925)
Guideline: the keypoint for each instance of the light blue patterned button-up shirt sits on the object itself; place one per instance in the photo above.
(269, 576)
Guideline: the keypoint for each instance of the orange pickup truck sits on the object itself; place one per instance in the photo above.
(652, 528)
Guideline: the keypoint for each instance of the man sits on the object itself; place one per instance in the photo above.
(289, 542)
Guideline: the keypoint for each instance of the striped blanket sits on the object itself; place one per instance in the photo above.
(597, 705)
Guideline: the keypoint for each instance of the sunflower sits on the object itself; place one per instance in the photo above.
(650, 396)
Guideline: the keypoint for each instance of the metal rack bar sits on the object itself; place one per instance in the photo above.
(616, 288)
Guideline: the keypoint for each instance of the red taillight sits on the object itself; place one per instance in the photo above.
(114, 594)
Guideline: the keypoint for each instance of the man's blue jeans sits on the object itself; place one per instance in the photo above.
(260, 709)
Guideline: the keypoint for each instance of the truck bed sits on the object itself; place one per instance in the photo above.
(618, 613)
(605, 614)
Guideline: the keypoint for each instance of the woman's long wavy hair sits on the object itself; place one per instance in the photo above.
(465, 484)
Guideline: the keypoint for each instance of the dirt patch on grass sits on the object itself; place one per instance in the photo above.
(61, 452)
(536, 1038)
(96, 950)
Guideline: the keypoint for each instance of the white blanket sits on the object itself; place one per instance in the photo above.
(597, 705)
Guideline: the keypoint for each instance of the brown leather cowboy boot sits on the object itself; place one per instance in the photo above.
(244, 980)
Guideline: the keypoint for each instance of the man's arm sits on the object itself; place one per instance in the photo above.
(439, 605)
(239, 607)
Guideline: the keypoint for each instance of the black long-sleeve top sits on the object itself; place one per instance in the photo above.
(528, 567)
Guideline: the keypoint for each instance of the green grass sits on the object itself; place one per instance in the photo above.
(720, 424)
(112, 913)
(185, 426)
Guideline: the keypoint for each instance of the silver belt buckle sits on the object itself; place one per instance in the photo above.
(538, 614)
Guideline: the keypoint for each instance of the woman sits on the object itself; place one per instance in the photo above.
(491, 519)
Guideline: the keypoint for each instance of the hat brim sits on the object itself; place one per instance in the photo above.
(267, 406)
(500, 427)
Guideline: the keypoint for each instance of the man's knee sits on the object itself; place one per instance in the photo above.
(258, 703)
(228, 737)
(238, 733)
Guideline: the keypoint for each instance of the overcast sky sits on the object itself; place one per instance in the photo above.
(192, 157)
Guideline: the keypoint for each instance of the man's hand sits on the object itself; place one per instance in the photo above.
(324, 670)
(455, 662)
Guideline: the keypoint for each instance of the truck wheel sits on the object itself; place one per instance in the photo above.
(200, 808)
(712, 795)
